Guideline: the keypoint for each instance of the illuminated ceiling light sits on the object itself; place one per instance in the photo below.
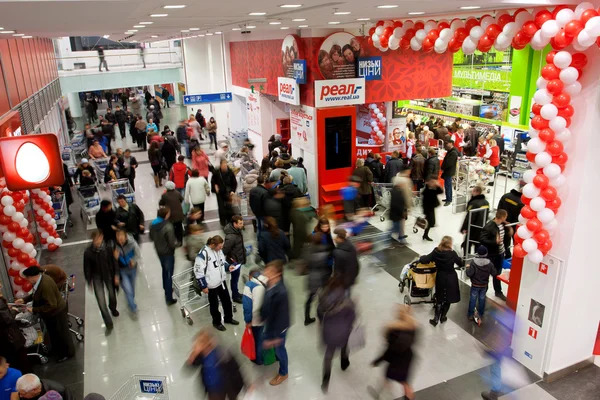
(1, 28)
(363, 19)
(200, 35)
(26, 37)
(175, 6)
(7, 32)
(236, 29)
(194, 29)
(209, 34)
(416, 13)
(139, 26)
(333, 22)
(299, 20)
(388, 6)
(275, 23)
(106, 36)
(290, 5)
(134, 41)
(19, 34)
(218, 33)
(185, 31)
(251, 26)
(341, 13)
(146, 23)
(158, 15)
(257, 13)
(133, 30)
(302, 26)
(470, 7)
(285, 27)
(154, 36)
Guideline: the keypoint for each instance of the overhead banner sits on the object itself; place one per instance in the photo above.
(300, 71)
(288, 91)
(339, 92)
(369, 68)
(290, 52)
(302, 128)
(338, 56)
(253, 109)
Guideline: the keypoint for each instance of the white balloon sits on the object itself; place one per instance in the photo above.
(408, 24)
(529, 175)
(476, 33)
(373, 106)
(375, 39)
(502, 40)
(50, 239)
(414, 44)
(446, 34)
(487, 21)
(522, 219)
(394, 43)
(511, 29)
(399, 32)
(563, 59)
(58, 241)
(551, 226)
(541, 83)
(550, 28)
(529, 245)
(574, 88)
(546, 215)
(9, 211)
(387, 24)
(533, 133)
(7, 201)
(18, 217)
(373, 124)
(582, 7)
(47, 217)
(33, 253)
(27, 248)
(429, 25)
(9, 236)
(592, 26)
(377, 110)
(549, 111)
(18, 243)
(536, 145)
(542, 160)
(523, 17)
(379, 30)
(531, 191)
(380, 115)
(40, 212)
(44, 235)
(542, 97)
(24, 223)
(564, 16)
(538, 42)
(559, 181)
(440, 46)
(564, 136)
(457, 23)
(536, 256)
(538, 205)
(383, 120)
(552, 171)
(421, 35)
(557, 124)
(578, 47)
(524, 233)
(585, 39)
(468, 46)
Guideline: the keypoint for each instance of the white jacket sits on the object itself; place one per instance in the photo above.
(254, 296)
(195, 190)
(209, 268)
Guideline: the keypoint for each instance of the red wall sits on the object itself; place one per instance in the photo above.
(28, 66)
(405, 74)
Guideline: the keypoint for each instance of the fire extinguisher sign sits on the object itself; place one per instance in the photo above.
(533, 332)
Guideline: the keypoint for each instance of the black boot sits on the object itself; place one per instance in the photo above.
(345, 363)
(325, 383)
(445, 308)
(436, 318)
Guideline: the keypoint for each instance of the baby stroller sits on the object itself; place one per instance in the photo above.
(420, 281)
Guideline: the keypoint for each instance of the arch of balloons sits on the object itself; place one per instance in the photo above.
(569, 31)
(17, 239)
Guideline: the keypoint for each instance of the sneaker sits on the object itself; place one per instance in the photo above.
(114, 313)
(278, 380)
(325, 385)
(220, 327)
(443, 319)
(501, 296)
(491, 395)
(447, 203)
(232, 322)
(309, 321)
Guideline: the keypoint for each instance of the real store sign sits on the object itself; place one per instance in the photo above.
(288, 90)
(480, 78)
(339, 92)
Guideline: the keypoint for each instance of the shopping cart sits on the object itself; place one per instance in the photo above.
(65, 291)
(61, 215)
(68, 157)
(189, 294)
(90, 201)
(100, 167)
(416, 212)
(420, 281)
(383, 197)
(143, 387)
(79, 144)
(33, 331)
(122, 187)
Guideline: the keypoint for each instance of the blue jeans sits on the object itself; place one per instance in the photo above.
(257, 332)
(498, 262)
(235, 278)
(128, 276)
(282, 356)
(259, 226)
(168, 266)
(448, 188)
(477, 294)
(398, 227)
(496, 372)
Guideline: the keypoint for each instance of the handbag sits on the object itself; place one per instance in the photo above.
(269, 356)
(357, 339)
(248, 345)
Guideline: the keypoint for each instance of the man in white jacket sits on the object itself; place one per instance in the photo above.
(209, 269)
(196, 190)
(254, 295)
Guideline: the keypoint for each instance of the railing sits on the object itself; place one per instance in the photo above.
(89, 62)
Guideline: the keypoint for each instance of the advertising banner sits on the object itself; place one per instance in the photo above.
(288, 91)
(338, 56)
(302, 128)
(369, 68)
(290, 52)
(300, 71)
(253, 109)
(340, 92)
(397, 135)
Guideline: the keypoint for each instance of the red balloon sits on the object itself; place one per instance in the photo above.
(517, 239)
(19, 207)
(548, 193)
(52, 247)
(561, 40)
(27, 287)
(433, 34)
(539, 123)
(461, 34)
(428, 44)
(550, 57)
(556, 10)
(587, 15)
(561, 100)
(419, 25)
(578, 60)
(14, 226)
(30, 238)
(13, 272)
(6, 244)
(504, 19)
(470, 24)
(560, 159)
(516, 44)
(530, 156)
(536, 108)
(568, 119)
(379, 23)
(44, 224)
(555, 86)
(572, 28)
(443, 25)
(486, 41)
(550, 72)
(19, 280)
(521, 39)
(541, 236)
(493, 31)
(388, 31)
(32, 261)
(566, 112)
(23, 258)
(518, 251)
(12, 252)
(541, 17)
(525, 200)
(5, 219)
(397, 24)
(370, 41)
(410, 33)
(23, 233)
(545, 246)
(554, 204)
(534, 225)
(453, 45)
(529, 29)
(541, 181)
(371, 32)
(527, 212)
(17, 196)
(555, 148)
(547, 135)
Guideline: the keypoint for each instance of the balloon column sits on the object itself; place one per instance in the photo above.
(378, 123)
(42, 205)
(559, 82)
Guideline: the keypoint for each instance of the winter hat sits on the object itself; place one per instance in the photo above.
(51, 395)
(277, 137)
(170, 185)
(482, 251)
(32, 271)
(84, 160)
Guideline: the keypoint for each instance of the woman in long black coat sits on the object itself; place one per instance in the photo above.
(66, 186)
(446, 281)
(12, 342)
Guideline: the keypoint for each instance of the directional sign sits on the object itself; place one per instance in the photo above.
(191, 99)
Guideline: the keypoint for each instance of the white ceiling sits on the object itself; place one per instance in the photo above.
(50, 18)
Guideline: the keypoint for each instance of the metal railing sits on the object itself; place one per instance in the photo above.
(132, 59)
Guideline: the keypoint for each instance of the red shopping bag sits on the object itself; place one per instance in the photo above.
(248, 346)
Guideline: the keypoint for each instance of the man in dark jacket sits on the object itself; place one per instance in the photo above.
(275, 312)
(417, 169)
(110, 117)
(235, 252)
(165, 96)
(224, 184)
(290, 192)
(165, 243)
(30, 386)
(172, 199)
(393, 167)
(478, 218)
(511, 202)
(108, 95)
(101, 272)
(182, 136)
(106, 221)
(398, 210)
(84, 165)
(432, 165)
(494, 237)
(200, 119)
(273, 205)
(258, 195)
(449, 170)
(121, 117)
(130, 217)
(471, 141)
(480, 270)
(345, 258)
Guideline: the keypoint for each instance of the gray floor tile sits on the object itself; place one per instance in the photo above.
(581, 385)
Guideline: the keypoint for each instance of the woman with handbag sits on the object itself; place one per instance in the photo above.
(196, 191)
(337, 313)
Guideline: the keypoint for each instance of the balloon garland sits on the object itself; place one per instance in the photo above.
(377, 122)
(552, 109)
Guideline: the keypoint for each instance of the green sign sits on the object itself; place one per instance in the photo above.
(481, 78)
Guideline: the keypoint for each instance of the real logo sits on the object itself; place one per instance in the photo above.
(339, 90)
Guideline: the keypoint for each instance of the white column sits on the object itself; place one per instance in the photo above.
(75, 105)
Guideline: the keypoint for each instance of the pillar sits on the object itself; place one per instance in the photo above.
(75, 105)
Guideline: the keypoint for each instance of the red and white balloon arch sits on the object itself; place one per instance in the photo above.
(569, 32)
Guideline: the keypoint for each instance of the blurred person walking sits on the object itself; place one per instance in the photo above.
(273, 243)
(102, 59)
(449, 170)
(121, 117)
(254, 296)
(430, 202)
(299, 176)
(127, 254)
(478, 219)
(417, 169)
(162, 234)
(479, 271)
(300, 217)
(393, 167)
(106, 221)
(196, 191)
(365, 189)
(497, 344)
(398, 208)
(256, 200)
(155, 157)
(317, 256)
(128, 167)
(12, 341)
(345, 259)
(172, 199)
(495, 236)
(130, 217)
(179, 174)
(201, 162)
(235, 253)
(211, 127)
(224, 185)
(165, 94)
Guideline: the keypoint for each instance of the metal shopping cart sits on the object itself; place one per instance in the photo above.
(416, 212)
(33, 331)
(383, 196)
(68, 157)
(61, 215)
(143, 387)
(100, 167)
(90, 201)
(66, 290)
(189, 294)
(122, 187)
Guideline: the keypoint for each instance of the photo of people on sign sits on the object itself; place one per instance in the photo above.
(338, 56)
(290, 51)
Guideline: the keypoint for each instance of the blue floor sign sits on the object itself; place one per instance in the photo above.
(191, 99)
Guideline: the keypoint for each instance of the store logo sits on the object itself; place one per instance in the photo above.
(492, 76)
(340, 92)
(288, 91)
(543, 268)
(369, 68)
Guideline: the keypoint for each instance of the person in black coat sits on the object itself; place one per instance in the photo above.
(224, 184)
(430, 202)
(257, 198)
(449, 170)
(66, 187)
(235, 252)
(106, 221)
(393, 167)
(12, 342)
(169, 152)
(495, 236)
(432, 165)
(121, 117)
(398, 210)
(512, 203)
(478, 218)
(273, 244)
(345, 259)
(317, 260)
(446, 281)
(290, 192)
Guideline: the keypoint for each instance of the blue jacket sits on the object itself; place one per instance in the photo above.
(276, 311)
(212, 374)
(129, 251)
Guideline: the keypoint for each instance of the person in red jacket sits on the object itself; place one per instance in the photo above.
(495, 155)
(179, 174)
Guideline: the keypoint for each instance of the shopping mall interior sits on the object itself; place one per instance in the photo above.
(407, 187)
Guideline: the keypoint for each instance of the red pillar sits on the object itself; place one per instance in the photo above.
(516, 269)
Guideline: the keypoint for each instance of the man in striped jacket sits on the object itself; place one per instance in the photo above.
(254, 294)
